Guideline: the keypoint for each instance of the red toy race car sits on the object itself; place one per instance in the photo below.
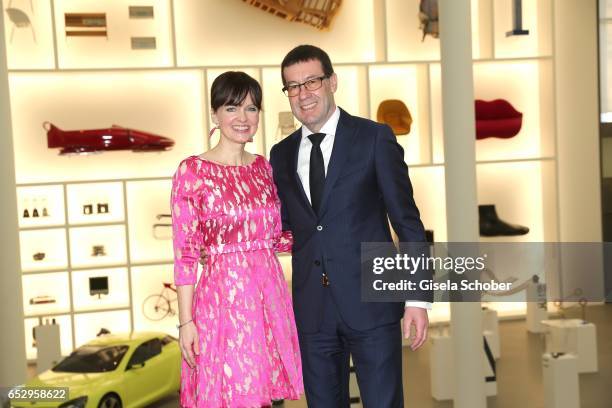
(99, 140)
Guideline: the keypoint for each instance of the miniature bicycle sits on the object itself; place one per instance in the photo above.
(156, 307)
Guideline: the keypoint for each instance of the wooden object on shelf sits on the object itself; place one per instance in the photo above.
(90, 24)
(317, 13)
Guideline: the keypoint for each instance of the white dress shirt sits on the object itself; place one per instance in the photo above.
(303, 165)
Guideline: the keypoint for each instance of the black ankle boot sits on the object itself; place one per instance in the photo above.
(492, 226)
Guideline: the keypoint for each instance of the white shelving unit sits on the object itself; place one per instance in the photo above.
(93, 82)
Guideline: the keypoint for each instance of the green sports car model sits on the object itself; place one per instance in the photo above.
(114, 371)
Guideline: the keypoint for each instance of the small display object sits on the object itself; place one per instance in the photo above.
(158, 306)
(497, 118)
(318, 14)
(98, 250)
(40, 205)
(98, 285)
(33, 210)
(41, 300)
(38, 256)
(492, 226)
(517, 19)
(286, 124)
(141, 12)
(143, 43)
(20, 20)
(85, 24)
(100, 140)
(162, 230)
(395, 113)
(102, 208)
(87, 209)
(49, 351)
(428, 18)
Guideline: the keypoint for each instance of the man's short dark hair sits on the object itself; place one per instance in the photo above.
(304, 53)
(232, 87)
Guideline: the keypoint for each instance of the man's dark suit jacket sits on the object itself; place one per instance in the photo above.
(366, 180)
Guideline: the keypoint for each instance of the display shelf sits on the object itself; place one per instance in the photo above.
(516, 191)
(41, 206)
(537, 18)
(95, 203)
(147, 282)
(65, 323)
(405, 41)
(275, 102)
(46, 293)
(88, 325)
(149, 230)
(351, 96)
(43, 249)
(29, 34)
(167, 103)
(202, 37)
(429, 195)
(97, 246)
(109, 292)
(527, 85)
(113, 46)
(407, 83)
(165, 91)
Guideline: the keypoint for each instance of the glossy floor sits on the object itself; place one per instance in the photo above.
(519, 370)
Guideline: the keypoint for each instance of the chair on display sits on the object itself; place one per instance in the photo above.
(19, 20)
(31, 5)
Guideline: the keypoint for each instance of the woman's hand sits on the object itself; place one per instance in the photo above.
(189, 343)
(203, 257)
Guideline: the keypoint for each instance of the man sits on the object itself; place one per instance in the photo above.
(339, 177)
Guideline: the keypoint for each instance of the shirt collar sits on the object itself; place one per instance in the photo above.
(329, 128)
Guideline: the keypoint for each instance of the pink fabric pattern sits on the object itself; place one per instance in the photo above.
(249, 350)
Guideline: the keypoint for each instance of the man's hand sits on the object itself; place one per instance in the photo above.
(417, 317)
(203, 256)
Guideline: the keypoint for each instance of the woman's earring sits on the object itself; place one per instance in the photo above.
(212, 131)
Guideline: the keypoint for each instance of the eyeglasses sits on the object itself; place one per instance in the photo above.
(311, 85)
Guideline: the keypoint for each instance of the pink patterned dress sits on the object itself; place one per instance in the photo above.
(249, 351)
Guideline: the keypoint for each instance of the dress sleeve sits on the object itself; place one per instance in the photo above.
(186, 229)
(283, 239)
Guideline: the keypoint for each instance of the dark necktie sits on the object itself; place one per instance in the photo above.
(317, 170)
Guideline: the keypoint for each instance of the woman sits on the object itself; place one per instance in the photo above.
(236, 327)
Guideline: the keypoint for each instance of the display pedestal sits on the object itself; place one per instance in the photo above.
(561, 389)
(490, 326)
(442, 366)
(536, 311)
(48, 346)
(573, 336)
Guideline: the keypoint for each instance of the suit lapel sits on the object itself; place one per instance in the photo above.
(294, 149)
(342, 143)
